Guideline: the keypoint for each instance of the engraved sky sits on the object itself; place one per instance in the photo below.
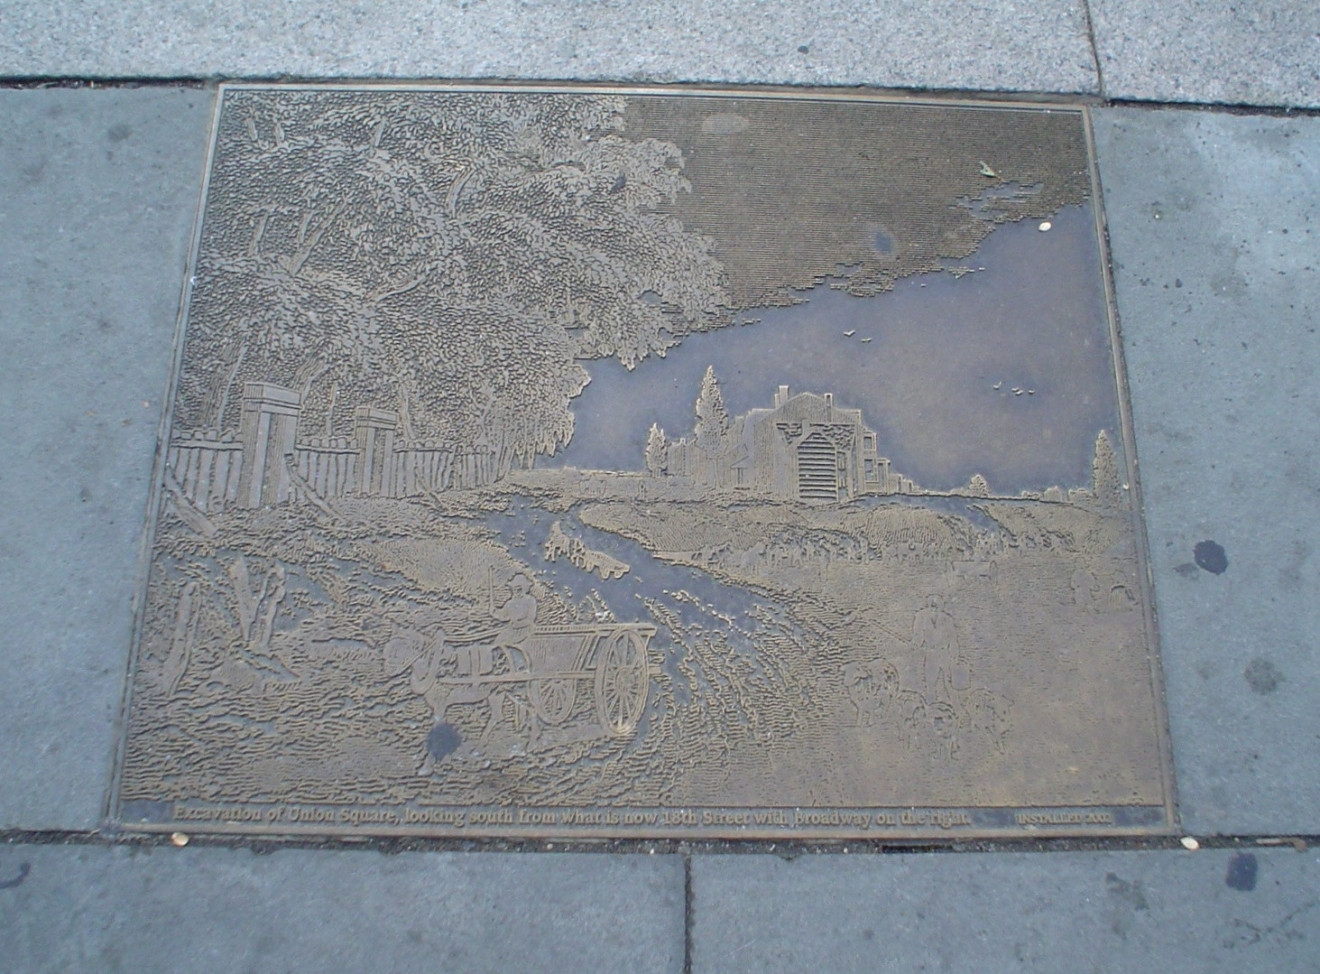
(1034, 319)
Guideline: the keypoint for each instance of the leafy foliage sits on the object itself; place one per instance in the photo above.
(451, 256)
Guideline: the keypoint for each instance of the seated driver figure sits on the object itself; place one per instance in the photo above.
(519, 617)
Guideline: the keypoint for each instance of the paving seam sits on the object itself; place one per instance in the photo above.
(202, 82)
(687, 849)
(43, 82)
(1095, 50)
(1218, 108)
(689, 909)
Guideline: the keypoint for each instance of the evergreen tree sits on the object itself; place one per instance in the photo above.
(1105, 483)
(712, 417)
(978, 487)
(712, 424)
(657, 446)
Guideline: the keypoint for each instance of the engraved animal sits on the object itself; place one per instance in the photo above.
(876, 693)
(559, 544)
(871, 688)
(985, 714)
(909, 716)
(602, 564)
(944, 724)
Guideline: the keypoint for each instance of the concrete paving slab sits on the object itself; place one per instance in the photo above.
(982, 44)
(98, 191)
(1125, 911)
(1215, 225)
(72, 908)
(1257, 52)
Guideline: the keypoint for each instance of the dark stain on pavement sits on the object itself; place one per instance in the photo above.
(1242, 869)
(1211, 556)
(1291, 573)
(23, 870)
(443, 741)
(1128, 892)
(1262, 675)
(1188, 570)
(1126, 900)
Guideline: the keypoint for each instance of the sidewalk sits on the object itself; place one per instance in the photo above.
(1213, 218)
(1256, 53)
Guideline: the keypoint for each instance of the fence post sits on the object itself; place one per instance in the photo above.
(373, 430)
(270, 421)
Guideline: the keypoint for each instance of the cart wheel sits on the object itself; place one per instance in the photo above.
(622, 683)
(553, 699)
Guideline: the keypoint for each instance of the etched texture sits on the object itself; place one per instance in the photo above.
(380, 599)
(926, 197)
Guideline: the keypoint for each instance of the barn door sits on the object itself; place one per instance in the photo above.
(818, 470)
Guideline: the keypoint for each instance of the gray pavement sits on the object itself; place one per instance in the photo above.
(1213, 225)
(1254, 52)
(166, 910)
(1174, 912)
(98, 192)
(945, 43)
(1257, 52)
(1215, 234)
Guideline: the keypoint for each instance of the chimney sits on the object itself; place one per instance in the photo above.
(829, 401)
(781, 396)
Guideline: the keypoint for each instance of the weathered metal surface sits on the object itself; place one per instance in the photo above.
(606, 462)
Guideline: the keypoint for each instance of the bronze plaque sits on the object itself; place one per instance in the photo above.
(555, 462)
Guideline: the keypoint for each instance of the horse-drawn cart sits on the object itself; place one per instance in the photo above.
(557, 660)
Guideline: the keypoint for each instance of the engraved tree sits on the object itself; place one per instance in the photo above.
(451, 256)
(712, 424)
(657, 448)
(712, 416)
(1105, 481)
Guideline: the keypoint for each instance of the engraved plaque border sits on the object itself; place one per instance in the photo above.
(697, 821)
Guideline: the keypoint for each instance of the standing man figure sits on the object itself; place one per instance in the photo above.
(935, 635)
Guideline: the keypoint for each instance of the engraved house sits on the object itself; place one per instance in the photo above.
(803, 448)
(806, 448)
